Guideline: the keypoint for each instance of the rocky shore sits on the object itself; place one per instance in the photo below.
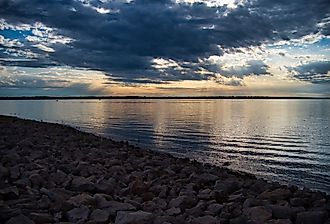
(51, 173)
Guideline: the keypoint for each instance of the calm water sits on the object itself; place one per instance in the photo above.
(281, 140)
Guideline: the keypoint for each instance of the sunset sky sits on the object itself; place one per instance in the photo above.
(165, 47)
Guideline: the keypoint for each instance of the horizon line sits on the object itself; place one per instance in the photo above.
(153, 97)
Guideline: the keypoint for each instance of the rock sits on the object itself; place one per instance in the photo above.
(9, 193)
(99, 216)
(299, 201)
(15, 172)
(41, 217)
(44, 202)
(36, 180)
(279, 221)
(311, 217)
(161, 203)
(59, 177)
(281, 212)
(214, 208)
(197, 210)
(82, 184)
(252, 202)
(277, 194)
(82, 199)
(227, 186)
(183, 202)
(114, 206)
(205, 219)
(4, 172)
(258, 214)
(205, 194)
(173, 211)
(207, 178)
(20, 219)
(139, 217)
(78, 214)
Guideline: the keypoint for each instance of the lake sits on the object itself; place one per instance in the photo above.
(276, 139)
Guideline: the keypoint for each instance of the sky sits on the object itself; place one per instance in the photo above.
(164, 47)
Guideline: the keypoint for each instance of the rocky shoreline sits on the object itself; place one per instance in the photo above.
(50, 173)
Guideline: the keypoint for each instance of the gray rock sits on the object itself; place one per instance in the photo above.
(277, 194)
(311, 217)
(279, 221)
(82, 184)
(20, 219)
(205, 219)
(36, 180)
(78, 214)
(281, 212)
(252, 202)
(214, 208)
(173, 211)
(207, 178)
(114, 206)
(9, 193)
(41, 217)
(139, 217)
(82, 199)
(99, 216)
(227, 186)
(258, 214)
(183, 202)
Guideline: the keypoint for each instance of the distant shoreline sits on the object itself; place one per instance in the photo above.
(155, 97)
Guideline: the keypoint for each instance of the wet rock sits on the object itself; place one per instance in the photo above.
(258, 214)
(311, 217)
(82, 184)
(99, 216)
(20, 219)
(139, 217)
(277, 194)
(41, 217)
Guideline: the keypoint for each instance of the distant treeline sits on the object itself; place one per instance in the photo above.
(152, 97)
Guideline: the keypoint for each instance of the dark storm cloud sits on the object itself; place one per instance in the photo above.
(315, 72)
(124, 42)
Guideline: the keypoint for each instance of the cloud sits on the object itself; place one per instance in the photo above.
(124, 38)
(314, 72)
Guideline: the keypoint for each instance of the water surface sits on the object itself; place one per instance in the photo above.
(280, 140)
